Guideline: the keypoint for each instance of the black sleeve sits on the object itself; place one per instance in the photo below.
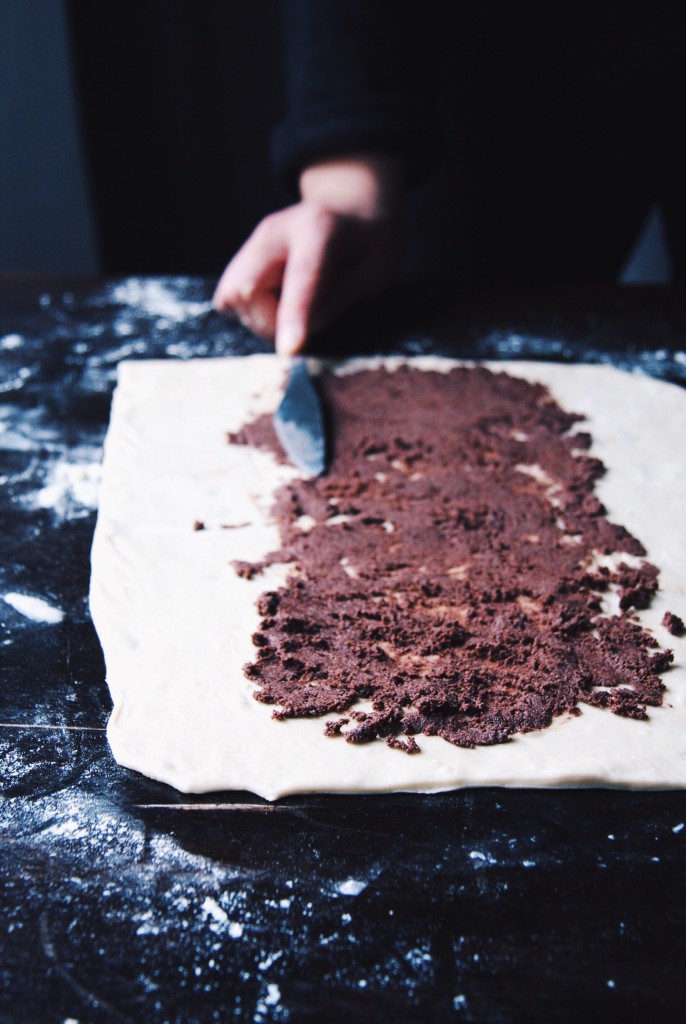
(359, 80)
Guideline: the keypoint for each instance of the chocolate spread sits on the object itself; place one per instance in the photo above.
(445, 569)
(674, 624)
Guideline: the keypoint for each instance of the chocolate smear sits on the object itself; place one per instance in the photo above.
(451, 569)
(673, 624)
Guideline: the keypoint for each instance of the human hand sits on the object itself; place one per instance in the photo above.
(304, 265)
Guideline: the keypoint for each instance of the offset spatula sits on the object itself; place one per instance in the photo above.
(299, 422)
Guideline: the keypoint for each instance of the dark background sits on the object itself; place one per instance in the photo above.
(177, 102)
(135, 135)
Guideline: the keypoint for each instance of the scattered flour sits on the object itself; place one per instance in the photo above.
(58, 476)
(212, 909)
(155, 298)
(351, 887)
(273, 995)
(660, 363)
(71, 489)
(11, 341)
(127, 350)
(27, 430)
(481, 859)
(34, 608)
(16, 379)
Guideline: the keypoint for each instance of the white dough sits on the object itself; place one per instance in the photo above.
(175, 620)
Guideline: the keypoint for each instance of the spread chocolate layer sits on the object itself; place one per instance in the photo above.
(448, 569)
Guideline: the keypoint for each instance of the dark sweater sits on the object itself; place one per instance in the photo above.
(541, 136)
(358, 81)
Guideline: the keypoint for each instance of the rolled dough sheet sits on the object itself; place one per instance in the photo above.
(175, 620)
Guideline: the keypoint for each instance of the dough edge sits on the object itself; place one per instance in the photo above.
(175, 621)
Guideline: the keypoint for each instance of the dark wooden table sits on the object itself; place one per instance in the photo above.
(123, 900)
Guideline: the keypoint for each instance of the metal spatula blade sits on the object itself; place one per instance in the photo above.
(299, 423)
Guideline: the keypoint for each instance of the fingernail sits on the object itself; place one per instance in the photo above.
(289, 340)
(246, 291)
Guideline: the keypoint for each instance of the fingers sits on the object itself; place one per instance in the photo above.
(256, 266)
(309, 249)
(260, 313)
(251, 282)
(300, 268)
